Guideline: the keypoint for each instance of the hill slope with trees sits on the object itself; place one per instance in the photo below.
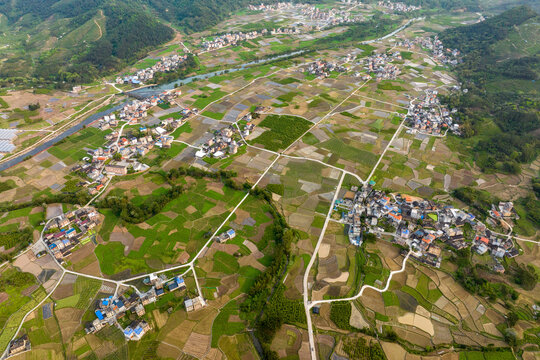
(499, 111)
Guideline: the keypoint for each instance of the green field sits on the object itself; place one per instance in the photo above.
(71, 149)
(205, 99)
(183, 220)
(283, 131)
(222, 326)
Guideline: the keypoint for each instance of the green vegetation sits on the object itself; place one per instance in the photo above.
(203, 100)
(13, 282)
(352, 116)
(387, 85)
(499, 112)
(213, 115)
(358, 348)
(15, 240)
(467, 275)
(406, 55)
(221, 325)
(284, 130)
(340, 314)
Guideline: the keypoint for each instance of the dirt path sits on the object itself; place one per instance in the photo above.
(99, 26)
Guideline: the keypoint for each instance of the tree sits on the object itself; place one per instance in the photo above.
(512, 318)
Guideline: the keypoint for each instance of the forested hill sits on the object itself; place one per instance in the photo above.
(500, 70)
(64, 42)
(483, 34)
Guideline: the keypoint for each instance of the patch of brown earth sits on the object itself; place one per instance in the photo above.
(3, 297)
(197, 345)
(69, 320)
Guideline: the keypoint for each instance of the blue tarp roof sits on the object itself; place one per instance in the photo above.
(99, 315)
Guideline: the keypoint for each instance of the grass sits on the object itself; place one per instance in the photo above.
(222, 326)
(71, 149)
(352, 116)
(349, 152)
(146, 63)
(225, 263)
(180, 225)
(283, 131)
(310, 139)
(203, 100)
(286, 81)
(213, 115)
(7, 185)
(3, 104)
(288, 97)
(390, 299)
(386, 85)
(487, 355)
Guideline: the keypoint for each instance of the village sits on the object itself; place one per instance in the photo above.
(116, 310)
(166, 64)
(227, 141)
(64, 233)
(435, 47)
(397, 7)
(120, 154)
(323, 69)
(417, 223)
(309, 16)
(232, 39)
(380, 66)
(428, 116)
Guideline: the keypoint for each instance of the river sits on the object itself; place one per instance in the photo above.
(72, 130)
(157, 89)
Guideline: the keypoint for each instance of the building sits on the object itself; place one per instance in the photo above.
(19, 345)
(116, 169)
(194, 304)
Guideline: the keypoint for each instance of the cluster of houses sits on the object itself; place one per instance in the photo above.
(417, 223)
(397, 7)
(120, 154)
(166, 64)
(319, 18)
(380, 65)
(505, 210)
(232, 39)
(435, 46)
(428, 116)
(110, 309)
(160, 284)
(223, 143)
(65, 232)
(322, 68)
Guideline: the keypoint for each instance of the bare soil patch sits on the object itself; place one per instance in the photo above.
(69, 320)
(197, 345)
(251, 261)
(122, 235)
(3, 297)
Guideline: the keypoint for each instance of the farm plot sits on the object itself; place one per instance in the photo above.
(283, 130)
(173, 235)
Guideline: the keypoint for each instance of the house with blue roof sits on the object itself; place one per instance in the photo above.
(71, 233)
(99, 315)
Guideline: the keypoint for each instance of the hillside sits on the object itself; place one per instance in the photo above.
(499, 112)
(75, 41)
